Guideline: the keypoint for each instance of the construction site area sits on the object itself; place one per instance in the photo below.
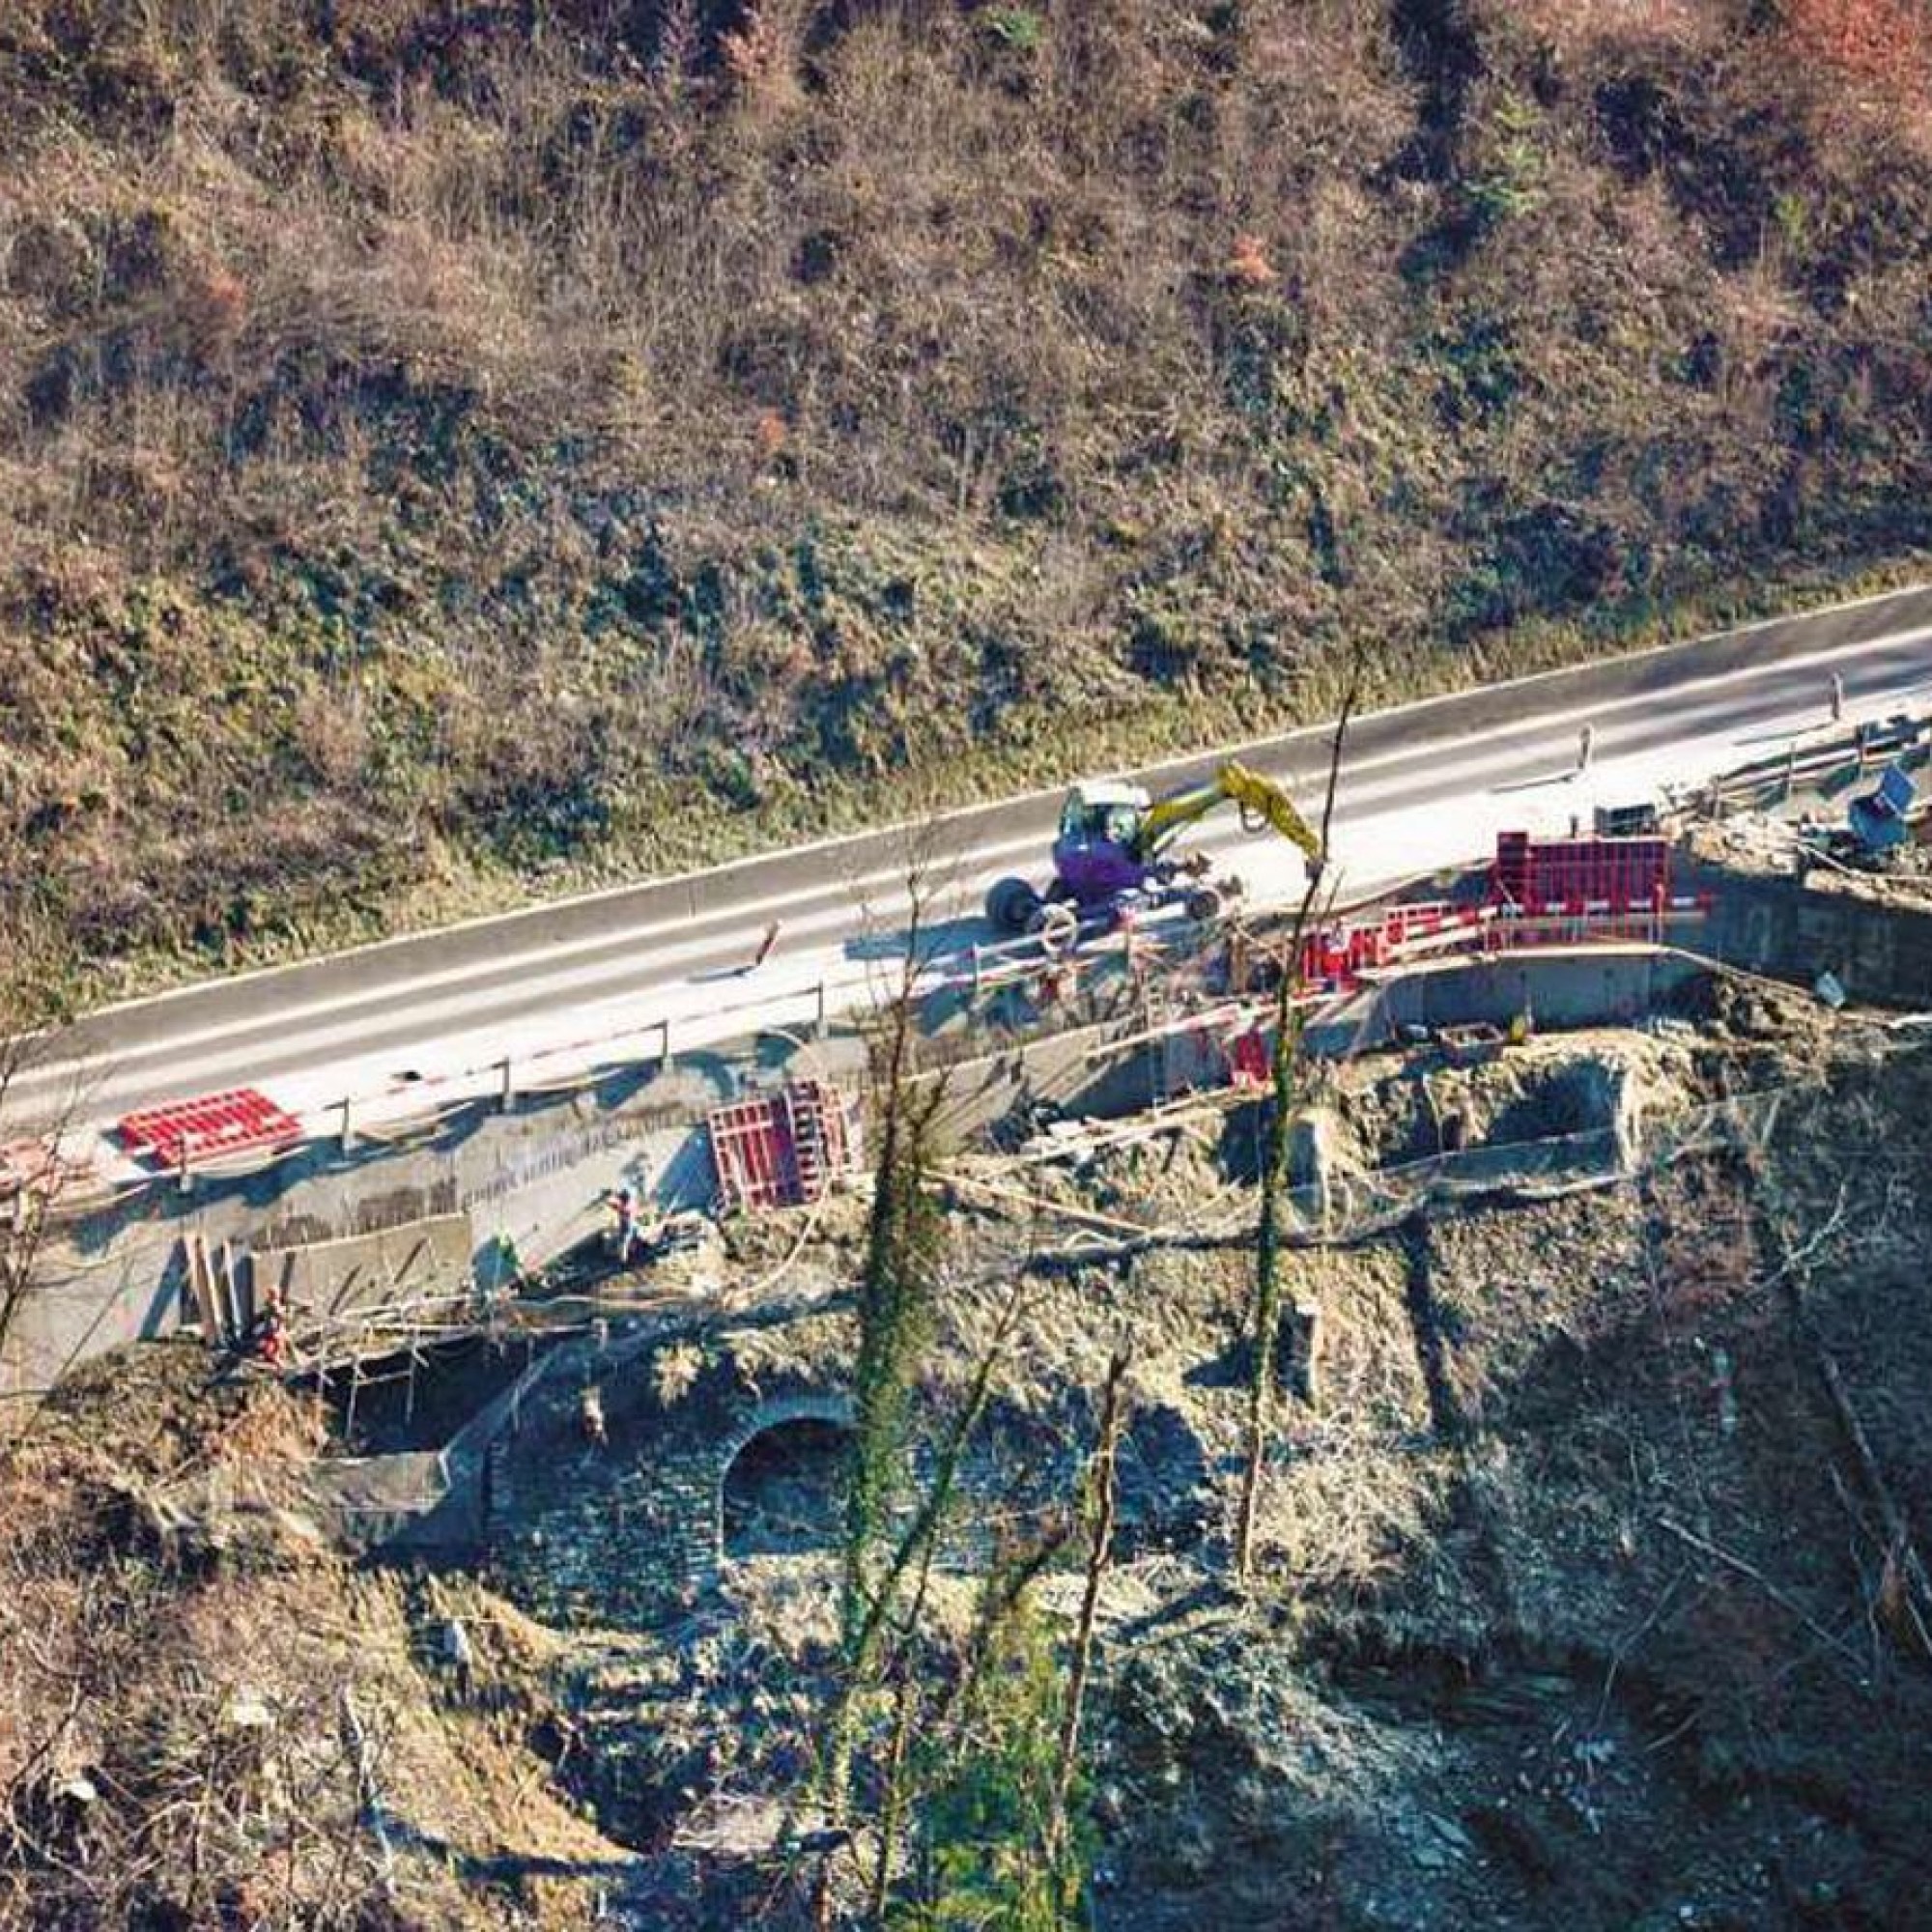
(447, 1518)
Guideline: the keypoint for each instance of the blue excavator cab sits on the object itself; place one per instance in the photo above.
(1096, 858)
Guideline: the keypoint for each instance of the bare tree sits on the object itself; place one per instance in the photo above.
(933, 1732)
(890, 1544)
(34, 1170)
(1101, 1504)
(1271, 1237)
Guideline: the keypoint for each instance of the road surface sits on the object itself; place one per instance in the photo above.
(1424, 785)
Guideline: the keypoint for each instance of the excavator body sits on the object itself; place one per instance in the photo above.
(1096, 856)
(1112, 854)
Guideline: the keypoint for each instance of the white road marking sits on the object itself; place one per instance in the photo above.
(590, 987)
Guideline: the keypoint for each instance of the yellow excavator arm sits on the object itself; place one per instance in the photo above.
(1261, 803)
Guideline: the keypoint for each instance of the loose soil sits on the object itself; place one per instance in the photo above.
(1576, 1606)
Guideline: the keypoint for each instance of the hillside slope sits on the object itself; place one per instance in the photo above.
(443, 447)
(1588, 1592)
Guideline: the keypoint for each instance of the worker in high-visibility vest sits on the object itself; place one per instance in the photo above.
(271, 1343)
(623, 1204)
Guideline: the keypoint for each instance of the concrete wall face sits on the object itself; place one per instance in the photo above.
(534, 1176)
(1553, 990)
(419, 1258)
(1878, 954)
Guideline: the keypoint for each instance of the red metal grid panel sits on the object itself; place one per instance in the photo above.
(1513, 870)
(781, 1149)
(1250, 1063)
(748, 1150)
(1582, 874)
(215, 1124)
(815, 1128)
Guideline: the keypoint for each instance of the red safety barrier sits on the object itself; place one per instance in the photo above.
(216, 1124)
(1551, 893)
(1574, 874)
(1337, 956)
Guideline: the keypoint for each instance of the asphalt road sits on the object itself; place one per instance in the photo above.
(1423, 784)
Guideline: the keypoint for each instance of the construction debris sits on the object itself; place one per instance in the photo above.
(1552, 1551)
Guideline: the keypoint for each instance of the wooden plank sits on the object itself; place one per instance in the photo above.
(400, 1276)
(203, 1315)
(190, 1311)
(346, 1296)
(238, 1320)
(251, 1309)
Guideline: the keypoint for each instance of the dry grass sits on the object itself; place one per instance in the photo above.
(565, 438)
(202, 1707)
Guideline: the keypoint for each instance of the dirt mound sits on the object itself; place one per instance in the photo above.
(1434, 1103)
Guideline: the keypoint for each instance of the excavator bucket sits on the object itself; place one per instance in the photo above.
(1263, 804)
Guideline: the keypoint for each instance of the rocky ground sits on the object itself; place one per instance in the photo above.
(1582, 1597)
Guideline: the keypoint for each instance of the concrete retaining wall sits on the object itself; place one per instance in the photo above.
(536, 1174)
(1880, 953)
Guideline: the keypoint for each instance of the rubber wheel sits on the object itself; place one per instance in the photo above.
(1204, 905)
(1011, 904)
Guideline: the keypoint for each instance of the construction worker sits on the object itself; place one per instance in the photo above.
(509, 1276)
(623, 1204)
(1586, 740)
(272, 1339)
(590, 1418)
(1837, 699)
(459, 1655)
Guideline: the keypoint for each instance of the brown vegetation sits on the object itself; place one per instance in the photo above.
(207, 1718)
(522, 435)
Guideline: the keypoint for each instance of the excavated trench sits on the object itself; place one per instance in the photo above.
(1425, 1322)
